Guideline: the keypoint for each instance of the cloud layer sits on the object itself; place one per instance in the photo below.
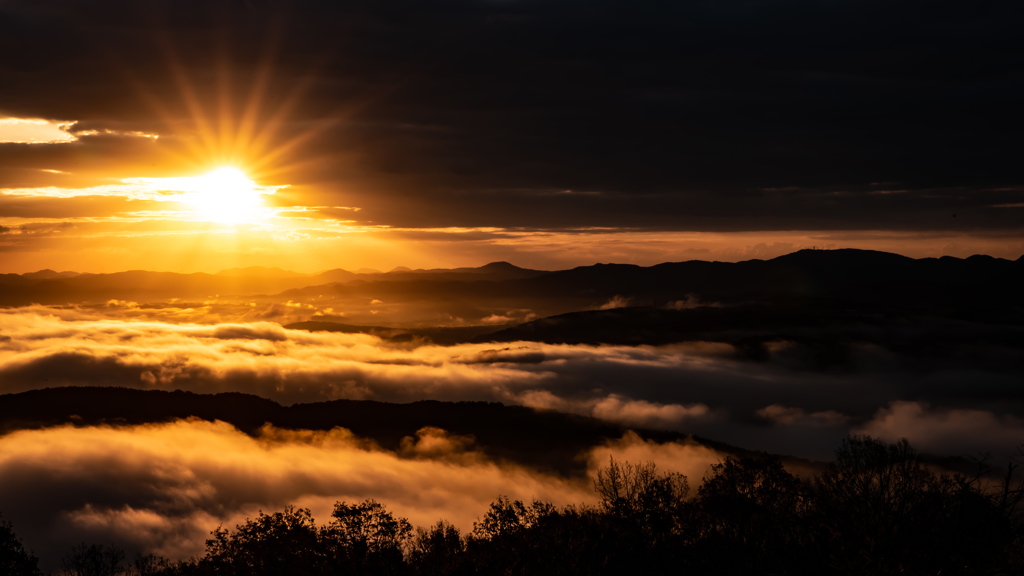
(782, 403)
(162, 488)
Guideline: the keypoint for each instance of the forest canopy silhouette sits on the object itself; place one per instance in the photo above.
(875, 509)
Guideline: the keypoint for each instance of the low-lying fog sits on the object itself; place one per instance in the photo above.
(778, 404)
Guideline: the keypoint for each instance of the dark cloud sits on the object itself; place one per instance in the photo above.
(778, 115)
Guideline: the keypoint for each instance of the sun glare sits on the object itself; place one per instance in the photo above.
(225, 195)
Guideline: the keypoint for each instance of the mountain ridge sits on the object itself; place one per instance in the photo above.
(843, 273)
(543, 439)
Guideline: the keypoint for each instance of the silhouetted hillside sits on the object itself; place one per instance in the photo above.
(495, 271)
(261, 272)
(542, 439)
(859, 275)
(49, 275)
(829, 325)
(49, 287)
(443, 336)
(842, 275)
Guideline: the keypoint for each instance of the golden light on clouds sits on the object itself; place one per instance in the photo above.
(34, 131)
(223, 195)
(191, 476)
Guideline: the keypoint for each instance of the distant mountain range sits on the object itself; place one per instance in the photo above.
(49, 287)
(830, 302)
(837, 278)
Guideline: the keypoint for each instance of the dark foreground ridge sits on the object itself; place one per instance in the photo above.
(876, 509)
(545, 440)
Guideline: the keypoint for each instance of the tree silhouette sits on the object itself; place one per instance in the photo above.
(749, 514)
(93, 560)
(885, 513)
(281, 543)
(644, 512)
(507, 518)
(501, 539)
(153, 565)
(14, 560)
(438, 551)
(365, 538)
(640, 493)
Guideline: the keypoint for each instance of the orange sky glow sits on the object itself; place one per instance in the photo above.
(229, 181)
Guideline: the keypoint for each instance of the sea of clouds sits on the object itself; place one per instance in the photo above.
(163, 487)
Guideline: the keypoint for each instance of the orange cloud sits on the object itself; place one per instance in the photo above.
(955, 431)
(688, 458)
(71, 346)
(35, 131)
(162, 488)
(615, 408)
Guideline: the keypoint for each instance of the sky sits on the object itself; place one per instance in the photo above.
(198, 136)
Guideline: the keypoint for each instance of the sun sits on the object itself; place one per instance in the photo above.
(225, 195)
